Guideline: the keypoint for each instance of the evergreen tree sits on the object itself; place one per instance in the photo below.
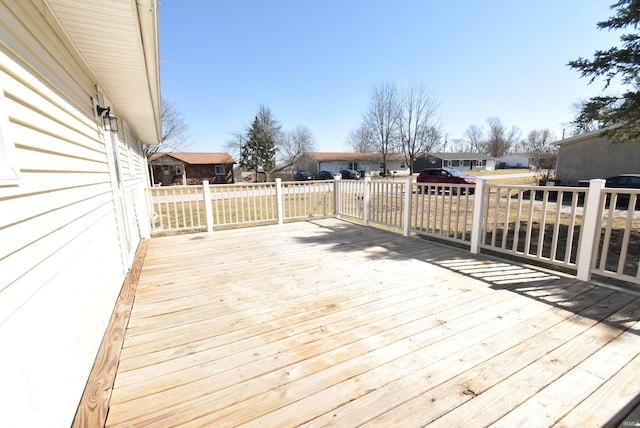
(259, 150)
(620, 113)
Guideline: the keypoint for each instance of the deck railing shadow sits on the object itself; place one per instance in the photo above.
(547, 286)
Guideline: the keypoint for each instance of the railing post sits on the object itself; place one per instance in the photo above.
(366, 199)
(208, 212)
(591, 224)
(407, 206)
(336, 196)
(478, 213)
(279, 202)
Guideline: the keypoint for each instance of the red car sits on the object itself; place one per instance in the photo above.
(445, 176)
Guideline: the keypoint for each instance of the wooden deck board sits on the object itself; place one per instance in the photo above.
(329, 323)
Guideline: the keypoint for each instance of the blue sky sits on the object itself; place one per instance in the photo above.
(314, 63)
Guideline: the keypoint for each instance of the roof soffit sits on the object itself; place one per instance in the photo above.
(118, 41)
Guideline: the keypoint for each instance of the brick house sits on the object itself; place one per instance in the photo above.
(185, 168)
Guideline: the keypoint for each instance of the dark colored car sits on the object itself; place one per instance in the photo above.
(302, 176)
(350, 174)
(623, 181)
(327, 175)
(445, 176)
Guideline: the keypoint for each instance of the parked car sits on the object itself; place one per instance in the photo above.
(302, 176)
(623, 181)
(328, 175)
(445, 176)
(350, 174)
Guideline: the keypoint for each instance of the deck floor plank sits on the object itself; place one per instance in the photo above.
(329, 323)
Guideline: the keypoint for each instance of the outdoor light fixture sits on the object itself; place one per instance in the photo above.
(101, 110)
(110, 121)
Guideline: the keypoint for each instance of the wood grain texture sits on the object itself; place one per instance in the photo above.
(94, 404)
(330, 323)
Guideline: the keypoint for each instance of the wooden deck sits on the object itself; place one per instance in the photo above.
(330, 323)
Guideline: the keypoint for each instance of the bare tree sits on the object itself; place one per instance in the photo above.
(539, 144)
(381, 119)
(475, 139)
(418, 122)
(500, 139)
(459, 145)
(360, 140)
(291, 148)
(175, 130)
(234, 145)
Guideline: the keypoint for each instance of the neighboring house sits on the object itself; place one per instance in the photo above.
(528, 160)
(589, 155)
(461, 161)
(369, 163)
(72, 201)
(191, 168)
(517, 160)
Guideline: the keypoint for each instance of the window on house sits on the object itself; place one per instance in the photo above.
(353, 165)
(381, 165)
(403, 165)
(450, 163)
(9, 171)
(220, 170)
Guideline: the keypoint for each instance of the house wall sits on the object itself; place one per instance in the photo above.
(370, 168)
(196, 174)
(66, 247)
(461, 164)
(515, 161)
(332, 166)
(169, 164)
(393, 166)
(594, 157)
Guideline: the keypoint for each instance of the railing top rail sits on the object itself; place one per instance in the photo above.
(537, 187)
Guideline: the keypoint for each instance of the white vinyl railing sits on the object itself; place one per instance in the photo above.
(617, 241)
(179, 208)
(541, 223)
(592, 231)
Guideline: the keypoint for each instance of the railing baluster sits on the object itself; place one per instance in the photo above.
(543, 223)
(556, 226)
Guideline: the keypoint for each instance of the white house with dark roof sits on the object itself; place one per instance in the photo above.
(461, 161)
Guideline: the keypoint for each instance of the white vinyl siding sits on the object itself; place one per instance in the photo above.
(9, 171)
(60, 253)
